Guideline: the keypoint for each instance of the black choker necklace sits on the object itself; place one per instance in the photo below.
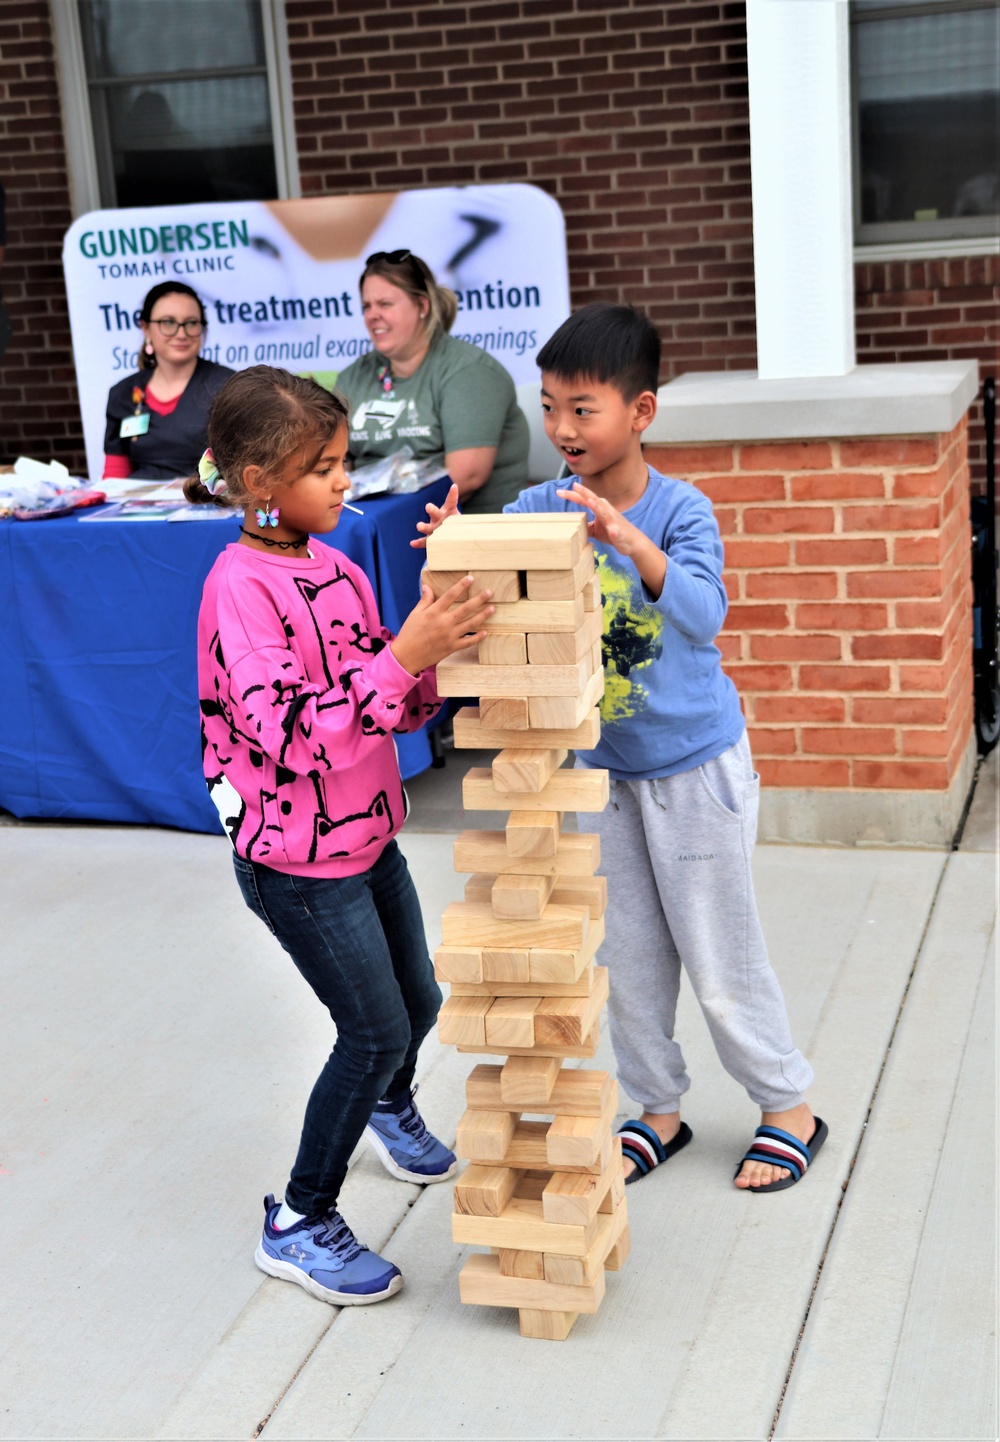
(281, 545)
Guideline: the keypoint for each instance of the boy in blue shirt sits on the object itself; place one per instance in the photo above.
(677, 837)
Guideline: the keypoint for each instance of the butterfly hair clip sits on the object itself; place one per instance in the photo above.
(208, 474)
(268, 517)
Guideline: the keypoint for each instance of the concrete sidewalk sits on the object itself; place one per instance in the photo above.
(158, 1047)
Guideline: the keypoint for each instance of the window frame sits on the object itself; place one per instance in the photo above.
(906, 239)
(78, 126)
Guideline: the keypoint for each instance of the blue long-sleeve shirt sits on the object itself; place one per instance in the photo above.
(667, 704)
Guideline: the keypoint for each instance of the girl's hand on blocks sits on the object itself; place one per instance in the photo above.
(611, 527)
(434, 629)
(437, 514)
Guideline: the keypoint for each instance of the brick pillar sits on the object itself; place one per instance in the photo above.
(849, 634)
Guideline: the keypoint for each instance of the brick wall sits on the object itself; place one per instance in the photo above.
(933, 310)
(633, 116)
(39, 411)
(849, 628)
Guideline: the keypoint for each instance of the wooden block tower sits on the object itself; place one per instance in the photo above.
(546, 1196)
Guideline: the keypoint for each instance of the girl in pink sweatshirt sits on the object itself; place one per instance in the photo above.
(301, 688)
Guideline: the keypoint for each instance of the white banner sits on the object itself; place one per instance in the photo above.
(279, 280)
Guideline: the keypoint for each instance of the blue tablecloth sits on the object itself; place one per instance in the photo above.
(99, 702)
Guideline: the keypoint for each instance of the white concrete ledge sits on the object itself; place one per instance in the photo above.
(867, 818)
(913, 398)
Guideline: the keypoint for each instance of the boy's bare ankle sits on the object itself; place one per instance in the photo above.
(666, 1125)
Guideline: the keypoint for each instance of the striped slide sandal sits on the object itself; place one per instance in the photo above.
(781, 1149)
(641, 1145)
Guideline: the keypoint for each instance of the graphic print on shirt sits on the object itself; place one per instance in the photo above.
(343, 645)
(632, 640)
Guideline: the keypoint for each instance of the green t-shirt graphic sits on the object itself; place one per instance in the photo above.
(457, 398)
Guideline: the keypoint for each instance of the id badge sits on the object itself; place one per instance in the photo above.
(134, 426)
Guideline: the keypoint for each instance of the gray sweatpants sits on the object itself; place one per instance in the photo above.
(676, 852)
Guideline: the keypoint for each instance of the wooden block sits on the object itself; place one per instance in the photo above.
(597, 656)
(525, 1080)
(578, 789)
(578, 854)
(567, 1021)
(485, 1136)
(525, 768)
(462, 964)
(592, 593)
(531, 834)
(503, 648)
(462, 1020)
(505, 968)
(574, 1197)
(522, 1227)
(577, 1139)
(510, 1021)
(470, 924)
(616, 1191)
(583, 985)
(591, 892)
(561, 585)
(484, 1191)
(505, 585)
(521, 1264)
(461, 674)
(552, 964)
(618, 1254)
(565, 711)
(502, 543)
(562, 648)
(473, 732)
(537, 616)
(585, 1052)
(481, 1283)
(504, 713)
(577, 1092)
(578, 1271)
(520, 898)
(545, 1326)
(527, 1155)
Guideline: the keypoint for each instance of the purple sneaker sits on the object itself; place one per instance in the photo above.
(405, 1147)
(324, 1256)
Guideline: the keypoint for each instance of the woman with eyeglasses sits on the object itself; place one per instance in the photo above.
(423, 388)
(158, 418)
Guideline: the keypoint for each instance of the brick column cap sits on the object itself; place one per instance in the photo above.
(911, 398)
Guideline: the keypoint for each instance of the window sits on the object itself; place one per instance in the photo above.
(171, 104)
(925, 86)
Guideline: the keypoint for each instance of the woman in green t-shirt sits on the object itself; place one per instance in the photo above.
(422, 388)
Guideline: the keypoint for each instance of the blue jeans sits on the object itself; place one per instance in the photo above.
(359, 942)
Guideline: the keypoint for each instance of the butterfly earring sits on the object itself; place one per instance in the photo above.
(267, 517)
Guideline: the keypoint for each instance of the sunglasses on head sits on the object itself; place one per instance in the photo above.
(397, 257)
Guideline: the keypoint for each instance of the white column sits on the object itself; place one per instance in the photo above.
(800, 161)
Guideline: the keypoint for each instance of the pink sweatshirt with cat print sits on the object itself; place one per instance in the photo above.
(300, 695)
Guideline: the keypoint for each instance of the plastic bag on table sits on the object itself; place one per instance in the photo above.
(399, 473)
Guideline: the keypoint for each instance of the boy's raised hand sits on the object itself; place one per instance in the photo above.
(437, 514)
(608, 524)
(611, 527)
(434, 629)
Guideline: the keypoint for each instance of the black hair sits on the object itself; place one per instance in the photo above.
(165, 287)
(613, 344)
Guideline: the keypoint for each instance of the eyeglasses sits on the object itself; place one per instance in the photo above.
(397, 257)
(169, 326)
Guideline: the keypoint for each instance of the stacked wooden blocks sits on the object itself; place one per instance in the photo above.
(547, 1197)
